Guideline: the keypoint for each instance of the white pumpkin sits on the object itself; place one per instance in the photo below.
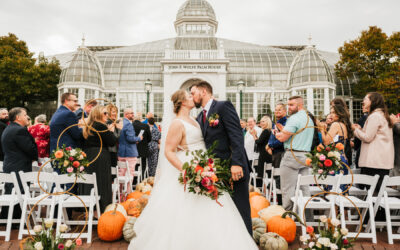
(272, 241)
(120, 209)
(269, 212)
(259, 228)
(128, 231)
(146, 188)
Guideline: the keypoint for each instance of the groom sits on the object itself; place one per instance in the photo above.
(229, 135)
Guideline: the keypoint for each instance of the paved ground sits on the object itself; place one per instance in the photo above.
(361, 244)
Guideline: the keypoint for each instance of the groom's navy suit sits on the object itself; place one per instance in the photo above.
(230, 139)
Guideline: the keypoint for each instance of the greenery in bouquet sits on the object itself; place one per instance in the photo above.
(70, 160)
(46, 239)
(325, 160)
(206, 175)
(331, 236)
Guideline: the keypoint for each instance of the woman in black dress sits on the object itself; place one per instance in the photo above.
(102, 166)
(153, 147)
(261, 142)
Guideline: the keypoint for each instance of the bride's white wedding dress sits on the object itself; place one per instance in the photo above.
(177, 220)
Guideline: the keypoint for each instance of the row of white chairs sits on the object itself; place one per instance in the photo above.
(51, 182)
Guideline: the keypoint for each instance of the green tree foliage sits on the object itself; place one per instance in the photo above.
(375, 58)
(23, 78)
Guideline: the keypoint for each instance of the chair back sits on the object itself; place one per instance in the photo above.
(47, 180)
(10, 178)
(359, 179)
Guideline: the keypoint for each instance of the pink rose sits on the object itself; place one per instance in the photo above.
(322, 157)
(216, 122)
(206, 182)
(331, 172)
(81, 168)
(70, 170)
(320, 171)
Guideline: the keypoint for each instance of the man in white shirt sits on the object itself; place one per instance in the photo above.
(249, 141)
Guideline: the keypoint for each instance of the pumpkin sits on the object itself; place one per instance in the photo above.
(148, 193)
(256, 204)
(120, 208)
(284, 226)
(272, 241)
(252, 194)
(259, 228)
(271, 211)
(110, 224)
(150, 181)
(136, 207)
(128, 231)
(253, 189)
(134, 195)
(126, 204)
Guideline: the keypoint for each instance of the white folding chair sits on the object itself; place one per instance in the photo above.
(9, 200)
(365, 205)
(125, 180)
(273, 190)
(1, 167)
(115, 186)
(299, 200)
(47, 180)
(68, 201)
(266, 181)
(388, 198)
(138, 171)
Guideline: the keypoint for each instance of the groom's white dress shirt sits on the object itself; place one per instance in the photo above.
(208, 106)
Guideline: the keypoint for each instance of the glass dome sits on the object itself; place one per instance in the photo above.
(82, 67)
(309, 66)
(196, 8)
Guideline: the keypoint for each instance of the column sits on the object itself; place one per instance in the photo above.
(351, 109)
(310, 100)
(151, 104)
(326, 101)
(96, 94)
(81, 96)
(117, 101)
(272, 100)
(255, 111)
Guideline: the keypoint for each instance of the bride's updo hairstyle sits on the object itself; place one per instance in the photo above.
(178, 98)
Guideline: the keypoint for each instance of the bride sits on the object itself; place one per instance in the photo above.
(178, 220)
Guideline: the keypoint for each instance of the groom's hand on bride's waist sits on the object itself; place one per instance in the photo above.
(237, 172)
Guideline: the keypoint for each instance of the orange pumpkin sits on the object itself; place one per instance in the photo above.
(284, 226)
(136, 207)
(252, 194)
(148, 193)
(257, 203)
(110, 225)
(126, 204)
(134, 195)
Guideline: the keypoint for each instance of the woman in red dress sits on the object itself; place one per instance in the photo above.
(41, 133)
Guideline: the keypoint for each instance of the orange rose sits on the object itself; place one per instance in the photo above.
(76, 164)
(198, 168)
(83, 153)
(59, 154)
(320, 147)
(339, 146)
(308, 162)
(214, 178)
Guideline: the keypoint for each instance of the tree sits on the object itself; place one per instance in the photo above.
(23, 78)
(375, 59)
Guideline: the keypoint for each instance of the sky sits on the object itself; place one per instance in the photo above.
(57, 26)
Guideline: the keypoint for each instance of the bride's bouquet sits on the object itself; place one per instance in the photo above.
(206, 175)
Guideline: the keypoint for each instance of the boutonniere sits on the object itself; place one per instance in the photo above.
(213, 120)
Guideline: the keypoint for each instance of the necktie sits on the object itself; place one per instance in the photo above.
(204, 116)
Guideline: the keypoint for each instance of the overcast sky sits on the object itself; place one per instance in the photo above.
(56, 26)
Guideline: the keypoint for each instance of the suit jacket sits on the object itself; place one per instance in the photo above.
(228, 133)
(143, 145)
(62, 119)
(128, 140)
(19, 149)
(2, 128)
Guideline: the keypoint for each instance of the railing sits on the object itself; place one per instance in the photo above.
(194, 54)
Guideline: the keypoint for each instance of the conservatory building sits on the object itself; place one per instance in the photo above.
(253, 77)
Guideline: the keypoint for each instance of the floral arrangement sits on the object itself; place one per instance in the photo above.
(331, 236)
(213, 120)
(206, 175)
(325, 160)
(71, 161)
(44, 238)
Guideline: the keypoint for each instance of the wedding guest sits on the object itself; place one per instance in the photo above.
(3, 124)
(19, 152)
(243, 124)
(92, 145)
(356, 141)
(148, 116)
(86, 109)
(396, 142)
(153, 147)
(275, 147)
(62, 119)
(340, 101)
(41, 133)
(377, 150)
(143, 145)
(127, 150)
(261, 143)
(300, 145)
(112, 111)
(249, 142)
(328, 121)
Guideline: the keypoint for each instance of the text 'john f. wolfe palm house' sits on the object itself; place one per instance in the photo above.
(254, 77)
